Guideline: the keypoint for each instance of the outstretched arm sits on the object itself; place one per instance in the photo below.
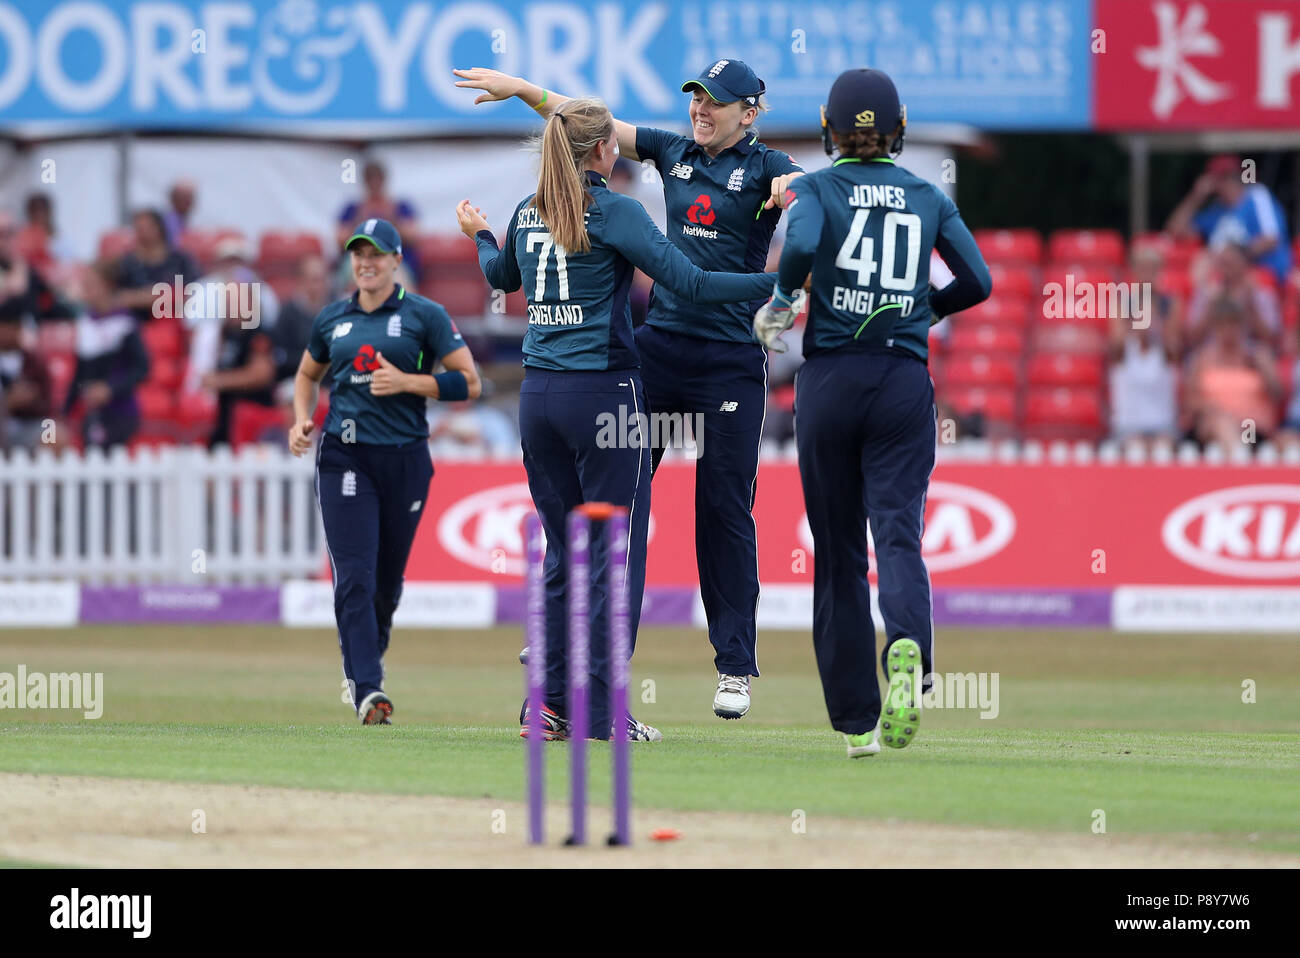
(501, 86)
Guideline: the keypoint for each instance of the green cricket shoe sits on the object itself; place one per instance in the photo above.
(902, 714)
(862, 745)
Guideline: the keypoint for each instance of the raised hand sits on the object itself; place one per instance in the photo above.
(470, 218)
(494, 84)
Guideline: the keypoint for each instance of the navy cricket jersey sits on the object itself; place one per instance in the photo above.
(716, 217)
(578, 311)
(412, 332)
(866, 229)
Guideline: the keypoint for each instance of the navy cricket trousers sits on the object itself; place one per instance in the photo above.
(582, 442)
(726, 385)
(865, 430)
(371, 499)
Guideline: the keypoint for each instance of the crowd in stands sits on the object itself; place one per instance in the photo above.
(1189, 334)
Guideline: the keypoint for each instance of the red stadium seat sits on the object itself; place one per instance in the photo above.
(62, 366)
(1105, 247)
(969, 338)
(156, 403)
(116, 243)
(979, 371)
(279, 252)
(1069, 337)
(1010, 246)
(516, 303)
(460, 296)
(163, 338)
(166, 372)
(252, 422)
(1063, 414)
(445, 249)
(1010, 280)
(202, 244)
(195, 416)
(1175, 282)
(996, 311)
(997, 405)
(1065, 369)
(1078, 274)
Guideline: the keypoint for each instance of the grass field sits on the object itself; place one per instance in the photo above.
(247, 726)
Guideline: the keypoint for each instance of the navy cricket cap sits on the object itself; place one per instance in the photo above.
(381, 234)
(728, 81)
(863, 100)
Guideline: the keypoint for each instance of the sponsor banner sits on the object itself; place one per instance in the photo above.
(1031, 607)
(1040, 529)
(25, 604)
(1222, 610)
(180, 603)
(423, 605)
(317, 64)
(1198, 64)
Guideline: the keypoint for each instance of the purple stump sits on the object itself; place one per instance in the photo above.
(535, 641)
(619, 640)
(579, 589)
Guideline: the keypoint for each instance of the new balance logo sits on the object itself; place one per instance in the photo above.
(729, 406)
(342, 329)
(736, 179)
(682, 171)
(415, 506)
(349, 483)
(395, 325)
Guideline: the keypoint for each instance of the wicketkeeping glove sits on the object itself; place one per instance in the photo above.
(776, 316)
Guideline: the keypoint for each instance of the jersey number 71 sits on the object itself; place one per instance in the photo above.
(548, 243)
(864, 263)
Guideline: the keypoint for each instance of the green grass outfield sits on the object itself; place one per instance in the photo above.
(1150, 729)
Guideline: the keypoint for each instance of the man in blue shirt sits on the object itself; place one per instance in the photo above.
(723, 191)
(1237, 213)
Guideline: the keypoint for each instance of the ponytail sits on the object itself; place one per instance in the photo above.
(571, 133)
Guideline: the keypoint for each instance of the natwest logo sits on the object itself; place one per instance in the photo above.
(1248, 532)
(963, 526)
(365, 361)
(702, 211)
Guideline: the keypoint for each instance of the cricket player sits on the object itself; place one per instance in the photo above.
(864, 400)
(723, 189)
(573, 246)
(379, 348)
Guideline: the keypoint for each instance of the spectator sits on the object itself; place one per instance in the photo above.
(1289, 435)
(177, 218)
(51, 256)
(152, 260)
(111, 362)
(245, 372)
(1233, 280)
(1235, 212)
(26, 388)
(232, 290)
(311, 294)
(472, 430)
(1232, 383)
(377, 204)
(24, 296)
(1143, 362)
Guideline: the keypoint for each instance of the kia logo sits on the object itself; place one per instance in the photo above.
(1249, 532)
(963, 526)
(486, 530)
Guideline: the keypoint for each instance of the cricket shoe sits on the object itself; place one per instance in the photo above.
(375, 709)
(865, 744)
(902, 715)
(640, 732)
(554, 728)
(731, 701)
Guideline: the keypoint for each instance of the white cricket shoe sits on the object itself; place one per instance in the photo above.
(865, 744)
(731, 701)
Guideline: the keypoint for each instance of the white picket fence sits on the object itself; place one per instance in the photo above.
(171, 515)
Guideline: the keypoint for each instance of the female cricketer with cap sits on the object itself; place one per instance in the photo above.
(864, 400)
(723, 190)
(573, 246)
(379, 348)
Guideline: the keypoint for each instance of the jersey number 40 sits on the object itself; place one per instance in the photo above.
(547, 243)
(858, 252)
